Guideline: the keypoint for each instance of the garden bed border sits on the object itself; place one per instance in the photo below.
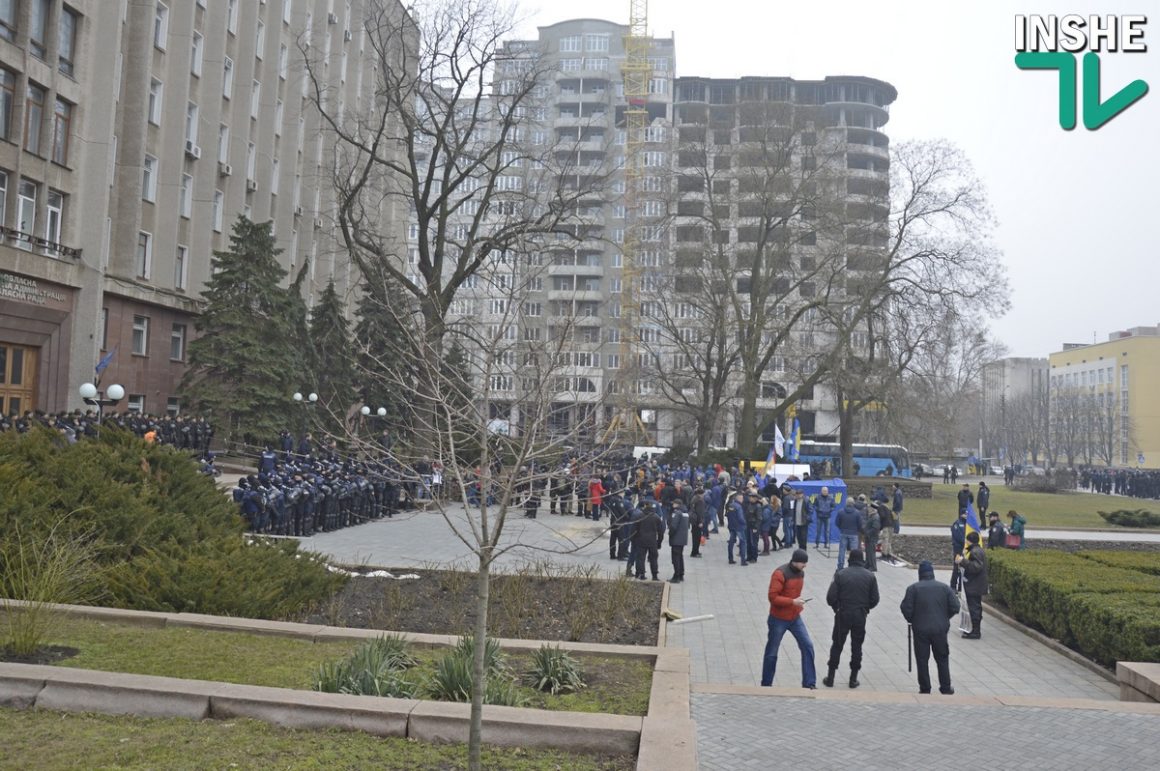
(663, 740)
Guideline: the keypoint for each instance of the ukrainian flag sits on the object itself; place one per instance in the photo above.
(973, 526)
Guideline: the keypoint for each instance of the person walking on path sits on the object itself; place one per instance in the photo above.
(928, 607)
(853, 594)
(785, 608)
(896, 508)
(1018, 527)
(958, 542)
(649, 533)
(974, 567)
(849, 528)
(871, 527)
(886, 534)
(735, 518)
(983, 499)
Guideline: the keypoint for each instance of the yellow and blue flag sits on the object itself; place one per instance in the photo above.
(973, 525)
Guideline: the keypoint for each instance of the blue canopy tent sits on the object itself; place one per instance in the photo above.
(811, 489)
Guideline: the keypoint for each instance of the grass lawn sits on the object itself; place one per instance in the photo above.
(38, 740)
(616, 685)
(1042, 510)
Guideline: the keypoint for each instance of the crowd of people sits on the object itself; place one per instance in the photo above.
(192, 434)
(1134, 483)
(305, 489)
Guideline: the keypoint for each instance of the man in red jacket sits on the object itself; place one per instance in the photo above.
(785, 608)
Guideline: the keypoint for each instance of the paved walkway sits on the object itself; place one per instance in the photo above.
(761, 732)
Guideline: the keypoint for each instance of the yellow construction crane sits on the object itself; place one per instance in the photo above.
(636, 71)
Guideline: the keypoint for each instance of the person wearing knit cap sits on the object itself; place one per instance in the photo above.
(974, 567)
(785, 608)
(853, 593)
(928, 607)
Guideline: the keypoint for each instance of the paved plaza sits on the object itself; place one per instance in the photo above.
(1025, 705)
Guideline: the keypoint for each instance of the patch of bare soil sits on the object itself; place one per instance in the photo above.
(49, 654)
(525, 605)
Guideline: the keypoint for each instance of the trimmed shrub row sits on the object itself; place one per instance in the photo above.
(1107, 612)
(1131, 518)
(1141, 562)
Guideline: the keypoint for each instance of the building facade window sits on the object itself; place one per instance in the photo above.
(3, 196)
(218, 202)
(195, 54)
(54, 217)
(38, 27)
(33, 117)
(177, 343)
(7, 102)
(28, 194)
(156, 101)
(61, 129)
(161, 26)
(149, 179)
(255, 99)
(192, 115)
(66, 40)
(8, 19)
(228, 78)
(185, 202)
(140, 339)
(260, 41)
(144, 254)
(181, 267)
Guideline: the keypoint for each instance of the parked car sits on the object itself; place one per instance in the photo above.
(995, 470)
(1034, 471)
(920, 470)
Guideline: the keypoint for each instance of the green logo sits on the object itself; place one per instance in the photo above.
(1095, 112)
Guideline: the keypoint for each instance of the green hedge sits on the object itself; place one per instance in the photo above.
(1131, 518)
(168, 538)
(1107, 612)
(1140, 561)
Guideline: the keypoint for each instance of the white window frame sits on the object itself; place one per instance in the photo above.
(185, 196)
(54, 216)
(228, 78)
(260, 41)
(177, 334)
(218, 213)
(181, 267)
(156, 101)
(223, 143)
(196, 53)
(144, 258)
(161, 26)
(149, 170)
(255, 98)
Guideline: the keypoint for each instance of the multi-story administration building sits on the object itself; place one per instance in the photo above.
(135, 132)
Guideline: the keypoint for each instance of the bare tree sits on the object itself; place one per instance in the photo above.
(932, 264)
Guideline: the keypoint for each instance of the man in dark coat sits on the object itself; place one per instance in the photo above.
(996, 532)
(974, 567)
(678, 539)
(648, 540)
(928, 607)
(853, 593)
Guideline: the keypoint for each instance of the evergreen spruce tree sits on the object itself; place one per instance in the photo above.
(244, 363)
(331, 360)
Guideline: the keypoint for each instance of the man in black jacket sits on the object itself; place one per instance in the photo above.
(678, 539)
(648, 540)
(852, 594)
(928, 607)
(974, 567)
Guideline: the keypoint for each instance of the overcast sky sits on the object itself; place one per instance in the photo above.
(1077, 211)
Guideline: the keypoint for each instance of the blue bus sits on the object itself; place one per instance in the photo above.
(871, 459)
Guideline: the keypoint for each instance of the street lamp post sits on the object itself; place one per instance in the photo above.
(93, 397)
(307, 401)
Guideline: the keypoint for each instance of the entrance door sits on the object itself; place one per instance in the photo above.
(17, 378)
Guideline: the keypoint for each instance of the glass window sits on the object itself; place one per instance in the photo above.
(66, 40)
(177, 343)
(283, 61)
(223, 143)
(3, 196)
(144, 254)
(27, 212)
(255, 99)
(149, 178)
(136, 403)
(33, 117)
(181, 267)
(287, 9)
(55, 216)
(7, 102)
(185, 202)
(141, 335)
(173, 406)
(61, 128)
(260, 41)
(38, 27)
(161, 26)
(8, 19)
(251, 160)
(191, 117)
(156, 99)
(195, 54)
(218, 201)
(104, 329)
(232, 16)
(228, 78)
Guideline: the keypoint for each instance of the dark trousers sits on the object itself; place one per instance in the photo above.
(695, 534)
(923, 646)
(650, 551)
(871, 541)
(614, 542)
(803, 535)
(975, 607)
(822, 534)
(852, 623)
(751, 544)
(678, 561)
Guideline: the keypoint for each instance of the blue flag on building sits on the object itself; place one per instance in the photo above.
(108, 357)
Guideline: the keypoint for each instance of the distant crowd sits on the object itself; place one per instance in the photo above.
(193, 434)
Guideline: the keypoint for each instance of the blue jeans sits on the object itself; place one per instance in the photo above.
(740, 538)
(777, 630)
(845, 542)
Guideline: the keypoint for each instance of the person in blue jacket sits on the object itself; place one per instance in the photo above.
(735, 518)
(823, 510)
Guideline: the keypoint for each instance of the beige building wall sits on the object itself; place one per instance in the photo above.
(1126, 369)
